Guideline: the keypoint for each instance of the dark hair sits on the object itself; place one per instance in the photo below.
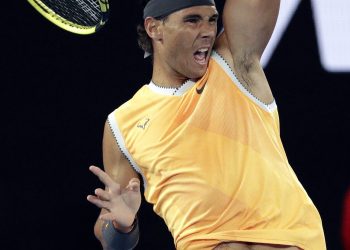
(144, 41)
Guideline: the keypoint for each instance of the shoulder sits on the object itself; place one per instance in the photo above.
(247, 69)
(241, 63)
(115, 162)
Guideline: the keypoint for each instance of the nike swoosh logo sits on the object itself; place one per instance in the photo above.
(200, 91)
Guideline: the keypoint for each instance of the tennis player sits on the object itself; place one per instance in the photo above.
(203, 138)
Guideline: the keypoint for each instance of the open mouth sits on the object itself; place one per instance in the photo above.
(200, 56)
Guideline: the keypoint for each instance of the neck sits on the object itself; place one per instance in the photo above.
(164, 76)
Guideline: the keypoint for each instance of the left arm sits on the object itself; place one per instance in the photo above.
(248, 26)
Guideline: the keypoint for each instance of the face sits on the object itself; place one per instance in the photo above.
(187, 38)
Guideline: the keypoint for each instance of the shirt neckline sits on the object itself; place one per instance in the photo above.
(171, 91)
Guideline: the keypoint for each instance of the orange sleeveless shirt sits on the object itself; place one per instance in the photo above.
(213, 164)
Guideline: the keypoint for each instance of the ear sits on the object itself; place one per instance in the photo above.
(153, 28)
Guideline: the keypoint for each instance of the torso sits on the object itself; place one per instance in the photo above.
(182, 180)
(252, 246)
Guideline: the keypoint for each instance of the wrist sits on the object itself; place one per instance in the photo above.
(124, 229)
(113, 239)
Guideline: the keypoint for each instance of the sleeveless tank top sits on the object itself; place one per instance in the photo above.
(213, 164)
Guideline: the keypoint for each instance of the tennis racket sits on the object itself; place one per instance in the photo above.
(78, 16)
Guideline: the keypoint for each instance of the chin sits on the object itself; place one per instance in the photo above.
(197, 74)
(194, 71)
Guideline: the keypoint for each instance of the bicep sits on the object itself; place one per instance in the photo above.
(115, 163)
(248, 26)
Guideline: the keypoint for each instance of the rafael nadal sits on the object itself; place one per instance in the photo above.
(203, 136)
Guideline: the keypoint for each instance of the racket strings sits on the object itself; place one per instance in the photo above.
(81, 12)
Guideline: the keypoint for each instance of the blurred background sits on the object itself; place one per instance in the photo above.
(57, 89)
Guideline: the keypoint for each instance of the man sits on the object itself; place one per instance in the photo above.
(204, 136)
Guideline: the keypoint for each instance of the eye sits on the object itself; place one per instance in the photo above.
(192, 20)
(213, 19)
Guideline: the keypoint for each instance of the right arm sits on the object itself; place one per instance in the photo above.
(121, 198)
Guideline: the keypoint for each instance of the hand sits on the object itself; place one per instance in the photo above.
(121, 204)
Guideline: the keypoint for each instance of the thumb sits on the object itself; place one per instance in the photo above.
(134, 184)
(107, 217)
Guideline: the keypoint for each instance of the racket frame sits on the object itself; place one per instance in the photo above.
(68, 25)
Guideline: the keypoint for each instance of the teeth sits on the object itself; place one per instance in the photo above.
(202, 50)
(200, 55)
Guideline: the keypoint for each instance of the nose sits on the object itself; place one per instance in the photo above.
(208, 29)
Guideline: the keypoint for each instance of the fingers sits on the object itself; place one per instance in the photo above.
(107, 216)
(98, 202)
(102, 194)
(102, 175)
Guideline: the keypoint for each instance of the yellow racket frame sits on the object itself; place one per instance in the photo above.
(64, 23)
